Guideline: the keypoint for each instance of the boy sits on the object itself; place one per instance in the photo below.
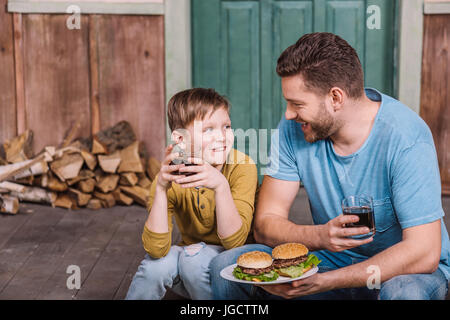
(213, 201)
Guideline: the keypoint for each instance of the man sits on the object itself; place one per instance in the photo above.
(340, 139)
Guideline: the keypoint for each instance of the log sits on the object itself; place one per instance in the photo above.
(83, 175)
(139, 194)
(65, 201)
(94, 204)
(107, 199)
(153, 167)
(121, 198)
(144, 182)
(9, 204)
(90, 159)
(54, 184)
(87, 186)
(113, 138)
(35, 194)
(81, 198)
(68, 166)
(11, 186)
(128, 179)
(19, 148)
(24, 169)
(108, 183)
(110, 163)
(131, 162)
(71, 134)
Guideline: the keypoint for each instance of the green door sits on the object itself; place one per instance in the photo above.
(236, 44)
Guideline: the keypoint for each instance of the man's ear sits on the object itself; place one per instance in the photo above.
(338, 97)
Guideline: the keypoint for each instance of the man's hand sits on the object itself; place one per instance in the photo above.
(311, 285)
(335, 237)
(205, 176)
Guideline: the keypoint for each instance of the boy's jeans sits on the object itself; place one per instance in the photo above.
(404, 287)
(184, 269)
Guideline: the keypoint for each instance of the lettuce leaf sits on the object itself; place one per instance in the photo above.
(271, 276)
(297, 270)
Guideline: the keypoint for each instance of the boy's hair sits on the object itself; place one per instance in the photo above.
(188, 105)
(324, 60)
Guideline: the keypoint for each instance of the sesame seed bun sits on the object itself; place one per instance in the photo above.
(289, 251)
(254, 259)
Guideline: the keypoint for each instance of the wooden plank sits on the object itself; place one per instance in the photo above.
(25, 242)
(112, 266)
(10, 224)
(42, 264)
(93, 67)
(8, 125)
(147, 7)
(122, 291)
(131, 76)
(19, 72)
(64, 99)
(435, 100)
(84, 253)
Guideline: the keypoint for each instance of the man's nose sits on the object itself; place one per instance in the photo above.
(290, 115)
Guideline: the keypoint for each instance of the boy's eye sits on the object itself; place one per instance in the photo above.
(228, 126)
(209, 129)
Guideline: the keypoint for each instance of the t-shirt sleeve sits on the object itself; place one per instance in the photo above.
(283, 164)
(158, 245)
(416, 186)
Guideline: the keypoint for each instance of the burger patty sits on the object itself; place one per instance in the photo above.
(284, 263)
(256, 271)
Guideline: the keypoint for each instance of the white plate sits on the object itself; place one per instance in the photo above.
(227, 273)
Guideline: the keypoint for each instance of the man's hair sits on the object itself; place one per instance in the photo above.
(324, 60)
(189, 105)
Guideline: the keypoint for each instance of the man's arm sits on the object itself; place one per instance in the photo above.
(272, 226)
(418, 252)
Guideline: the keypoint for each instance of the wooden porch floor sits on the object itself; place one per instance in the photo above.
(39, 243)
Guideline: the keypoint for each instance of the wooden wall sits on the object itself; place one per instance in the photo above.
(111, 69)
(435, 89)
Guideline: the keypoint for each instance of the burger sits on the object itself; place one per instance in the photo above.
(292, 259)
(255, 266)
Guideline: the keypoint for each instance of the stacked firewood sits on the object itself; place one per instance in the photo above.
(111, 168)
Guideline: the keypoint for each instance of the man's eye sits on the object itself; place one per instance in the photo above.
(227, 126)
(207, 130)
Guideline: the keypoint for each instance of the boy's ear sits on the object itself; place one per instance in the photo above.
(177, 137)
(180, 135)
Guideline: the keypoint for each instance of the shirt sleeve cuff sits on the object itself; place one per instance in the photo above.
(156, 244)
(237, 239)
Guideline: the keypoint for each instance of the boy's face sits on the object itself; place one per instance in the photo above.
(213, 135)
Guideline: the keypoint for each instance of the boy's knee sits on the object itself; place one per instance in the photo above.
(156, 268)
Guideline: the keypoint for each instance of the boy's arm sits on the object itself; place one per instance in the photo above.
(156, 236)
(237, 199)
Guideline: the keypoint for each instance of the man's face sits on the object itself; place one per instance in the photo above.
(213, 135)
(307, 108)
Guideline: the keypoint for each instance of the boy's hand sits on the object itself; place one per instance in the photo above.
(166, 177)
(205, 176)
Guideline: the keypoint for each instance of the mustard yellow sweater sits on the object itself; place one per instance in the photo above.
(194, 209)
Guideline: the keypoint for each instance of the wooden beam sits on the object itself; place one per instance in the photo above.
(20, 80)
(94, 75)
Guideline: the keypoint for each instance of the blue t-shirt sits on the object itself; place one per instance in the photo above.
(397, 166)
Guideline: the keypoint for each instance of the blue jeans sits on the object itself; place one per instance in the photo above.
(186, 272)
(403, 287)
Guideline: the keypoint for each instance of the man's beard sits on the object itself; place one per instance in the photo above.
(323, 127)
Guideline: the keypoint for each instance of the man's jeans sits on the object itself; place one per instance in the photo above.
(404, 287)
(184, 269)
